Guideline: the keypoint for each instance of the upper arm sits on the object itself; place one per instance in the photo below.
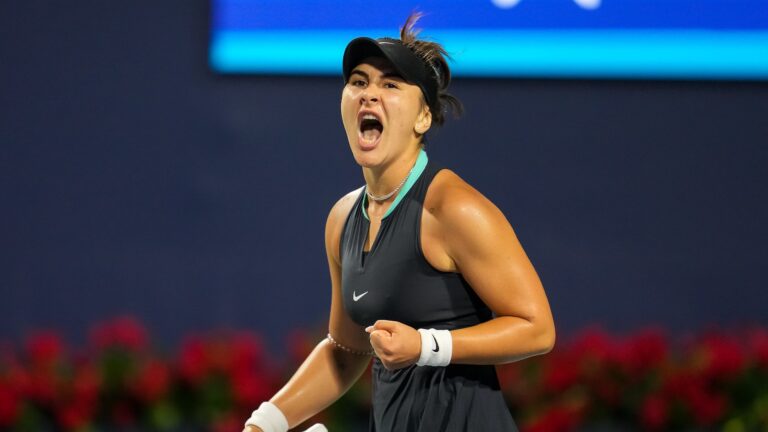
(487, 253)
(340, 325)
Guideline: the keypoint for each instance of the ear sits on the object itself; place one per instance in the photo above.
(424, 121)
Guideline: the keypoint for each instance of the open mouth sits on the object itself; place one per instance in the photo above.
(370, 129)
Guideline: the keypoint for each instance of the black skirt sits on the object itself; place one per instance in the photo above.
(456, 398)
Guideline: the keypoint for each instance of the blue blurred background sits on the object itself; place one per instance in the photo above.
(552, 38)
(134, 179)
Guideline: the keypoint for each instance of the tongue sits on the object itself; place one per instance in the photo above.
(371, 134)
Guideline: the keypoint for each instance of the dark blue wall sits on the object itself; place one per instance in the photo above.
(134, 180)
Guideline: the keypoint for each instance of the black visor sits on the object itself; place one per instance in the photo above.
(408, 65)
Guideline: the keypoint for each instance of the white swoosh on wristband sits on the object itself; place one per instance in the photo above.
(358, 297)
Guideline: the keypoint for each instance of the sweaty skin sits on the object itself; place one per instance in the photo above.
(461, 231)
(464, 232)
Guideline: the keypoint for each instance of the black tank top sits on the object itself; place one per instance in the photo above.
(394, 281)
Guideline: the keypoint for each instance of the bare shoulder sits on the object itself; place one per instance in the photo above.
(335, 222)
(341, 209)
(456, 203)
(466, 223)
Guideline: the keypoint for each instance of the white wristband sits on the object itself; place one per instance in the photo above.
(436, 347)
(268, 418)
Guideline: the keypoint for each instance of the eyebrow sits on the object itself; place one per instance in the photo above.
(388, 74)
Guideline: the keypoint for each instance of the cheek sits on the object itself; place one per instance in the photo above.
(345, 100)
(404, 112)
(348, 107)
(349, 96)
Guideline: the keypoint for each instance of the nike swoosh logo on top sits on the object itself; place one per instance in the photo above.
(437, 347)
(358, 297)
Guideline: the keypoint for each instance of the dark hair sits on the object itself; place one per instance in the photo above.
(435, 56)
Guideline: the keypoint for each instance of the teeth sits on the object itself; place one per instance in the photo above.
(370, 117)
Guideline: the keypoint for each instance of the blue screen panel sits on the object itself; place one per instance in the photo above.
(720, 39)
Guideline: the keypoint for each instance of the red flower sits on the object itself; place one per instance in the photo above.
(247, 351)
(707, 407)
(152, 382)
(681, 386)
(692, 392)
(45, 348)
(74, 415)
(561, 373)
(43, 386)
(124, 332)
(19, 380)
(643, 352)
(227, 423)
(723, 357)
(556, 419)
(193, 361)
(129, 333)
(654, 412)
(758, 343)
(9, 404)
(594, 345)
(87, 383)
(250, 388)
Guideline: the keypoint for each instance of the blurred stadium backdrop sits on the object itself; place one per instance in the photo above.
(164, 193)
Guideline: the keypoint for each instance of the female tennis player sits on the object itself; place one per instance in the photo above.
(427, 275)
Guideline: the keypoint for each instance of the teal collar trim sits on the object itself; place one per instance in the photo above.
(418, 168)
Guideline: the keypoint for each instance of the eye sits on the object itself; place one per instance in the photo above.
(357, 82)
(390, 85)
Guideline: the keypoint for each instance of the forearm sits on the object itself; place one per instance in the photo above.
(325, 375)
(501, 340)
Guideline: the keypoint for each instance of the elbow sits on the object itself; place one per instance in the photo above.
(544, 341)
(548, 336)
(548, 342)
(539, 339)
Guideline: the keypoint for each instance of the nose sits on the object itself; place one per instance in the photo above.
(368, 97)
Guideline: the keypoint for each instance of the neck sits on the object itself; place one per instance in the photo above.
(384, 179)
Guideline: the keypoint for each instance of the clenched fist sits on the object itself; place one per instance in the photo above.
(396, 344)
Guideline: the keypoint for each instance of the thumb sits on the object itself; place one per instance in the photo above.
(379, 336)
(388, 326)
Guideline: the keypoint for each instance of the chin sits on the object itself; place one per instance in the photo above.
(367, 159)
